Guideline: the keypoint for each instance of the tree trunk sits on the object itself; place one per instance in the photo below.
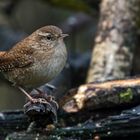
(115, 41)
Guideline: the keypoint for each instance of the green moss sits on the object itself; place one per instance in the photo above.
(77, 5)
(126, 96)
(138, 22)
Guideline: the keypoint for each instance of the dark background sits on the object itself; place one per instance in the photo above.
(21, 17)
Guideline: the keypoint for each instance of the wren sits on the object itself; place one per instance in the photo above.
(35, 60)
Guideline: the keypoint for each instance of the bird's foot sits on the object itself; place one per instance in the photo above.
(46, 98)
(38, 100)
(39, 106)
(41, 98)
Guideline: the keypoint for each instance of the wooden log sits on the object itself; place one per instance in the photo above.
(99, 95)
(11, 121)
(124, 125)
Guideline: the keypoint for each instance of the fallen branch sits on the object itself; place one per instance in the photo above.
(11, 121)
(125, 125)
(102, 95)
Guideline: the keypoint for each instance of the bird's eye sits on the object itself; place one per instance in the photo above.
(49, 37)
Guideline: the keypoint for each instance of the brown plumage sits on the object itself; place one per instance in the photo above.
(35, 60)
(15, 59)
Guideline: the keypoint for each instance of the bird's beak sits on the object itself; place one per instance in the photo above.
(64, 35)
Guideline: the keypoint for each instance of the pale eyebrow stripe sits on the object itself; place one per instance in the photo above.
(43, 34)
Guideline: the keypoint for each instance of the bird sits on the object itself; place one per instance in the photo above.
(35, 60)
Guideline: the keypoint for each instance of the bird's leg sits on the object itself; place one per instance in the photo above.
(45, 100)
(33, 100)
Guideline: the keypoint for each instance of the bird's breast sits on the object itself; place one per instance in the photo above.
(47, 67)
(44, 68)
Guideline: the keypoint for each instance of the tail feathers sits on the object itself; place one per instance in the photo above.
(2, 53)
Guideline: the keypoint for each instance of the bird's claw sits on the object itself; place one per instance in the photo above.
(46, 99)
(39, 100)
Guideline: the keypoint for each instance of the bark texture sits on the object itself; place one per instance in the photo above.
(109, 94)
(115, 41)
(126, 125)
